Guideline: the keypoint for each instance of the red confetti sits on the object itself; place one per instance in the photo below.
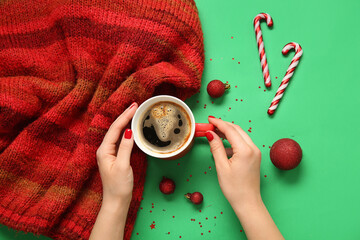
(152, 206)
(168, 232)
(187, 179)
(205, 172)
(137, 233)
(263, 145)
(249, 120)
(259, 87)
(152, 226)
(152, 203)
(141, 208)
(236, 86)
(199, 222)
(202, 233)
(150, 211)
(265, 176)
(269, 146)
(215, 217)
(197, 101)
(264, 90)
(210, 167)
(204, 106)
(179, 236)
(212, 102)
(276, 77)
(190, 175)
(200, 225)
(236, 99)
(153, 221)
(209, 230)
(227, 81)
(178, 164)
(210, 59)
(238, 63)
(232, 37)
(221, 213)
(232, 58)
(241, 100)
(206, 218)
(200, 210)
(240, 230)
(232, 121)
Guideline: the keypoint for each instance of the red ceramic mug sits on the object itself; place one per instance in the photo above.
(196, 129)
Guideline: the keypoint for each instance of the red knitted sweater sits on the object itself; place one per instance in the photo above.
(68, 68)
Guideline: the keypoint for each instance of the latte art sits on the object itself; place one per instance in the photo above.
(165, 127)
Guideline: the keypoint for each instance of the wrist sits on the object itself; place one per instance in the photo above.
(115, 206)
(248, 204)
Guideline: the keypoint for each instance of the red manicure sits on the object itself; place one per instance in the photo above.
(133, 104)
(128, 133)
(209, 136)
(211, 117)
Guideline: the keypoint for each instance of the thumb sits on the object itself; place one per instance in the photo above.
(217, 149)
(126, 145)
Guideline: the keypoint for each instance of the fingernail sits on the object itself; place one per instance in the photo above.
(211, 117)
(128, 133)
(133, 104)
(209, 136)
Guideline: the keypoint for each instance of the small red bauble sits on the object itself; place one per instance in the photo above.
(216, 88)
(286, 154)
(195, 197)
(167, 186)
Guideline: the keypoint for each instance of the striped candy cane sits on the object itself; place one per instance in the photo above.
(260, 43)
(288, 74)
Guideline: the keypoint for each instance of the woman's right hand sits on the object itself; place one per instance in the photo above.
(239, 175)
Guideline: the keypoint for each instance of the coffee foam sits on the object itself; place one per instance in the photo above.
(167, 118)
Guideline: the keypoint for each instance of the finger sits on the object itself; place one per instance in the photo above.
(231, 134)
(113, 134)
(243, 134)
(229, 152)
(125, 148)
(219, 133)
(217, 149)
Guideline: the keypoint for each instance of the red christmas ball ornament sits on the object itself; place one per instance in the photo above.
(216, 88)
(167, 186)
(286, 154)
(195, 197)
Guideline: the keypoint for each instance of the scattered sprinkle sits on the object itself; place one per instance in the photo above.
(241, 100)
(276, 77)
(240, 230)
(236, 86)
(221, 213)
(202, 233)
(200, 210)
(215, 217)
(150, 211)
(232, 58)
(209, 231)
(168, 232)
(264, 90)
(197, 101)
(206, 218)
(232, 121)
(173, 216)
(152, 226)
(199, 222)
(259, 87)
(236, 99)
(210, 60)
(238, 62)
(265, 176)
(137, 233)
(249, 120)
(187, 179)
(263, 145)
(141, 208)
(205, 172)
(210, 167)
(227, 81)
(212, 102)
(200, 225)
(232, 37)
(152, 207)
(178, 164)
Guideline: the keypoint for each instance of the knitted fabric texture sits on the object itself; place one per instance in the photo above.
(68, 68)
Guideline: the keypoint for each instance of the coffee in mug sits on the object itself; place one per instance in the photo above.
(165, 127)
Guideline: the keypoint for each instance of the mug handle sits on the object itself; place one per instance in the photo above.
(202, 128)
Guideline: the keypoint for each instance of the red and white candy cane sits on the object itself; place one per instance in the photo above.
(260, 43)
(288, 74)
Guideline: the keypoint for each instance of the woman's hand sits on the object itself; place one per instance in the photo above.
(113, 158)
(239, 176)
(239, 179)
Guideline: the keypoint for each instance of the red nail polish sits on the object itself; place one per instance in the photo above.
(128, 133)
(211, 117)
(209, 136)
(133, 104)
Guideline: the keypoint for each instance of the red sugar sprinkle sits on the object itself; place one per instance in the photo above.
(241, 100)
(197, 101)
(137, 233)
(265, 176)
(259, 87)
(236, 86)
(187, 179)
(212, 102)
(199, 222)
(238, 63)
(210, 59)
(200, 210)
(173, 216)
(249, 120)
(219, 117)
(152, 226)
(202, 233)
(210, 167)
(215, 217)
(150, 211)
(200, 225)
(269, 146)
(179, 236)
(152, 203)
(221, 213)
(152, 206)
(276, 77)
(190, 175)
(205, 172)
(178, 164)
(227, 81)
(168, 232)
(141, 208)
(232, 121)
(204, 104)
(250, 127)
(232, 58)
(232, 37)
(206, 218)
(263, 145)
(264, 90)
(209, 230)
(236, 99)
(240, 230)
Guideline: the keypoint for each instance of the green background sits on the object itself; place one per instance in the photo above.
(320, 110)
